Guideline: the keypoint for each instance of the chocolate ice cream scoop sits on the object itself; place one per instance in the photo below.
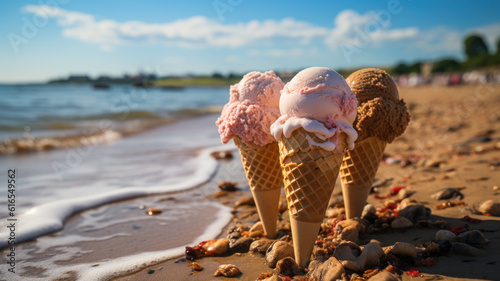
(380, 111)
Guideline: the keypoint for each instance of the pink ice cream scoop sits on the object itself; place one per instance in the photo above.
(253, 106)
(319, 100)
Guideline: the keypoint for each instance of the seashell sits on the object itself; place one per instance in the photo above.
(444, 235)
(490, 207)
(368, 210)
(287, 266)
(447, 193)
(330, 270)
(241, 245)
(278, 251)
(466, 249)
(474, 237)
(404, 249)
(385, 276)
(261, 245)
(227, 270)
(216, 247)
(401, 222)
(415, 212)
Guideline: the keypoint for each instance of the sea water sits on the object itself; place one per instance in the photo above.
(153, 141)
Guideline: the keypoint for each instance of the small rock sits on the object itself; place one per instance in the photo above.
(278, 251)
(197, 266)
(415, 212)
(404, 249)
(330, 270)
(447, 193)
(496, 188)
(258, 226)
(288, 267)
(385, 276)
(466, 249)
(222, 155)
(368, 210)
(227, 270)
(241, 245)
(228, 186)
(405, 193)
(261, 246)
(401, 222)
(431, 248)
(490, 207)
(444, 235)
(237, 228)
(405, 203)
(473, 237)
(216, 247)
(321, 254)
(433, 163)
(245, 201)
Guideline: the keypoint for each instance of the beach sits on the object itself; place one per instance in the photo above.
(101, 229)
(456, 127)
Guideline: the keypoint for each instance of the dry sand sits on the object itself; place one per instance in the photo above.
(458, 128)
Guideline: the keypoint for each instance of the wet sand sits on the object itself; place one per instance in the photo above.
(457, 128)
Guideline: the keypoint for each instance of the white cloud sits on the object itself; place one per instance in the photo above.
(369, 30)
(360, 31)
(194, 31)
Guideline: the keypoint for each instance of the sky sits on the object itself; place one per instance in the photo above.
(46, 39)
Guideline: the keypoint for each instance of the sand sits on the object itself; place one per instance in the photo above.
(449, 126)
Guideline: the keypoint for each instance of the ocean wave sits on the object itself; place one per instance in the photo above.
(87, 130)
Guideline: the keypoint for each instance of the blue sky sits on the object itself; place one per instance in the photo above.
(54, 38)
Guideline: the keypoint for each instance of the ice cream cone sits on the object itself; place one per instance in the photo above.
(358, 172)
(309, 175)
(264, 176)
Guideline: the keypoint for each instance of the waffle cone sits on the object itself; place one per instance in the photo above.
(358, 172)
(309, 176)
(262, 168)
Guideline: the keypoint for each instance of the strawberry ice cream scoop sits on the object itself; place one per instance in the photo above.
(253, 106)
(319, 100)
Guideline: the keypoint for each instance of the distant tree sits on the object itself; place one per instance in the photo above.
(415, 68)
(217, 75)
(446, 65)
(233, 75)
(475, 46)
(401, 68)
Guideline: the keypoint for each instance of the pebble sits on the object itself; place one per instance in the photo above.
(261, 246)
(257, 227)
(216, 247)
(241, 245)
(288, 267)
(496, 188)
(228, 186)
(227, 270)
(466, 249)
(444, 235)
(330, 270)
(490, 207)
(431, 248)
(401, 222)
(447, 193)
(197, 266)
(473, 237)
(404, 249)
(405, 203)
(384, 276)
(245, 201)
(278, 251)
(415, 212)
(368, 210)
(348, 254)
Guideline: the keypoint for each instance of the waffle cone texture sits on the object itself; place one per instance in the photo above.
(360, 165)
(309, 175)
(261, 165)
